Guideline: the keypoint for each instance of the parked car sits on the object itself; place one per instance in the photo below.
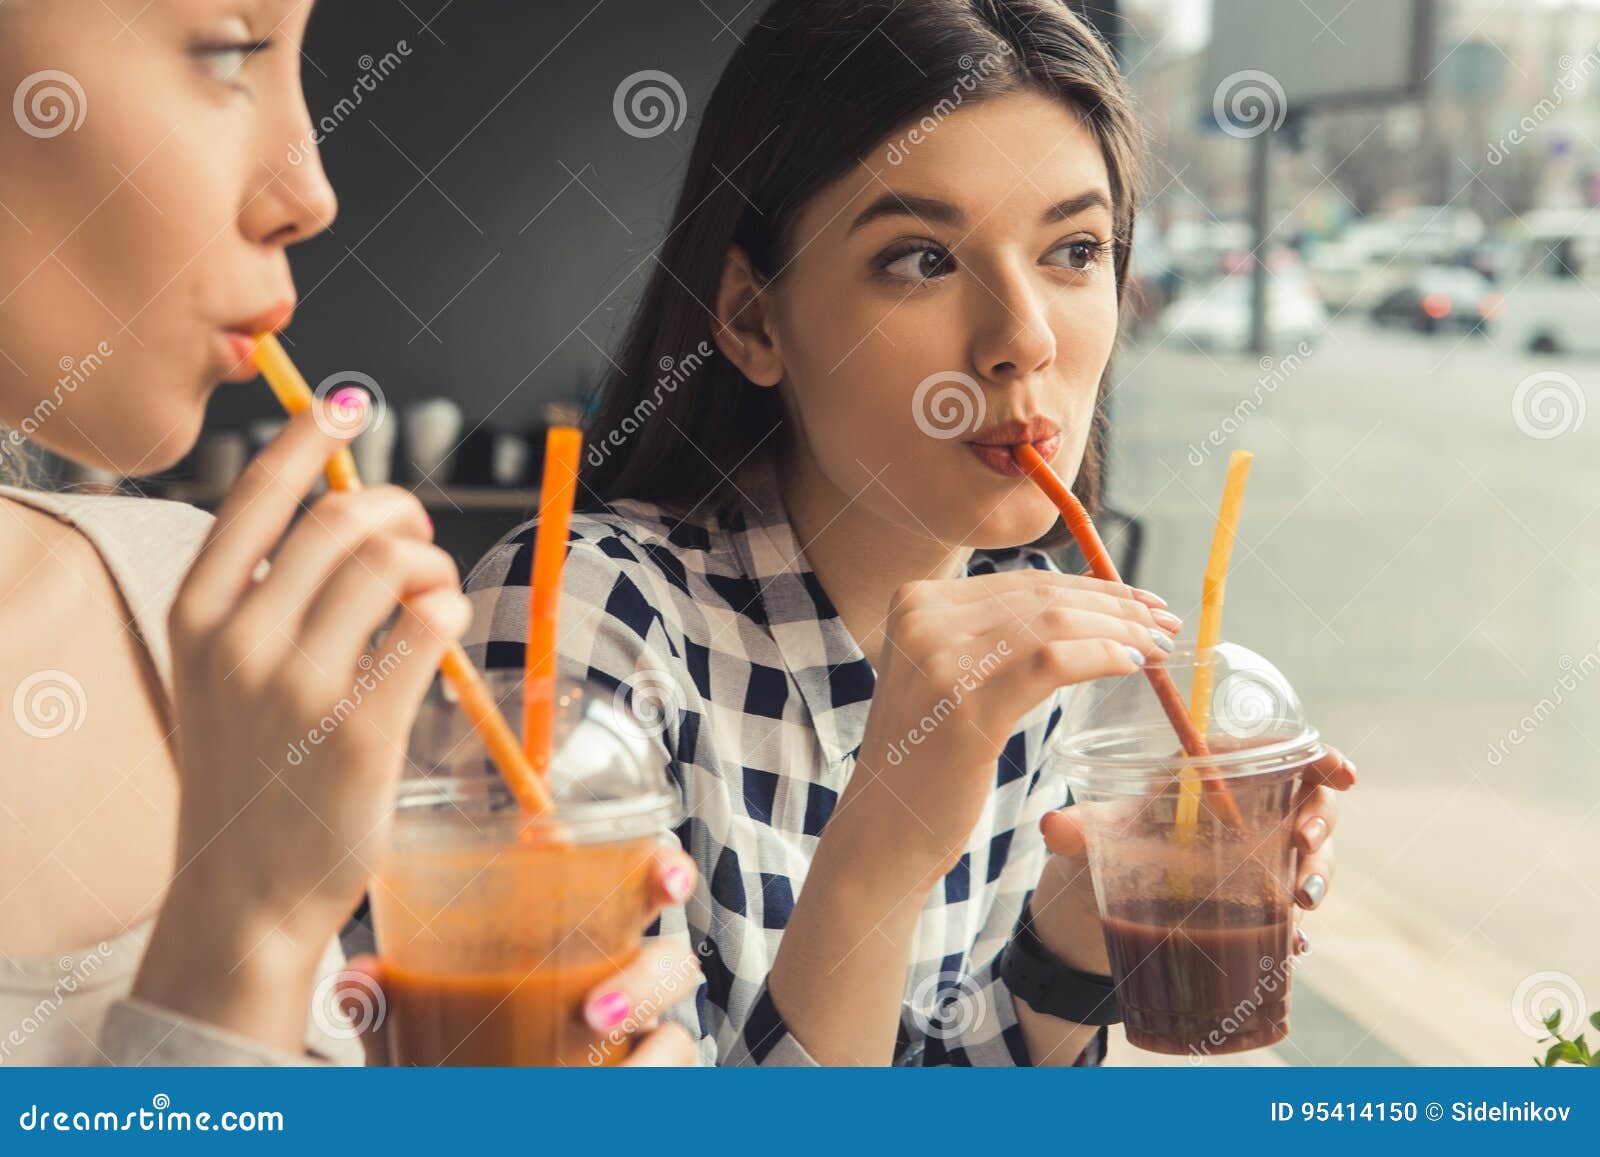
(1199, 251)
(1438, 298)
(1217, 316)
(1376, 255)
(1552, 290)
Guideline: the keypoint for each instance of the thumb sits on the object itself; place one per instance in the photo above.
(1063, 832)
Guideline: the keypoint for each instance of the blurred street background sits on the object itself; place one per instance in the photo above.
(1419, 546)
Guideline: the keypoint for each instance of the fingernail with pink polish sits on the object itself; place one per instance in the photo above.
(1148, 598)
(351, 398)
(1166, 620)
(678, 883)
(606, 1012)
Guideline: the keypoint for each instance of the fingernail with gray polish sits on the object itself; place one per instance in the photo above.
(1314, 889)
(1136, 655)
(1161, 640)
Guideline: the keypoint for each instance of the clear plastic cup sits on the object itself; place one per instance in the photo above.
(492, 927)
(1198, 907)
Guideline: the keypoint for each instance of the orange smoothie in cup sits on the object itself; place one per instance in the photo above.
(494, 925)
(489, 953)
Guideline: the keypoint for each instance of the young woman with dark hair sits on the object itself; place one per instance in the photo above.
(171, 884)
(811, 562)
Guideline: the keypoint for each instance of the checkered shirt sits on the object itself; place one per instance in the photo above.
(716, 626)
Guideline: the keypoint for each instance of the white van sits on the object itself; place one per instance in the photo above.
(1551, 285)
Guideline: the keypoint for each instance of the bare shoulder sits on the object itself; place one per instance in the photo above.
(85, 772)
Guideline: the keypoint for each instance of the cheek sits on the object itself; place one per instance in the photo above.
(847, 355)
(1085, 327)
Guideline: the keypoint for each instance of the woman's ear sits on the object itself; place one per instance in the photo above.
(744, 331)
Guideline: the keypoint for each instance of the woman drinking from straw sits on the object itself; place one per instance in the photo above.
(814, 565)
(173, 882)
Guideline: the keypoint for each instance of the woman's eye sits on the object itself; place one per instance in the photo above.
(1079, 256)
(225, 61)
(920, 264)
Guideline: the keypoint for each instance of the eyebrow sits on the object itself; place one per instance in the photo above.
(892, 204)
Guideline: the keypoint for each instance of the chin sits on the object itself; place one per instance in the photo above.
(133, 447)
(1016, 524)
(163, 449)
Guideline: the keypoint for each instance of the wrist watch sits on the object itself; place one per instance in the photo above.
(1051, 986)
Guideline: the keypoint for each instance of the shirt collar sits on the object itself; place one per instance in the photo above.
(835, 679)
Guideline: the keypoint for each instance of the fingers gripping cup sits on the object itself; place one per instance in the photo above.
(1198, 907)
(493, 926)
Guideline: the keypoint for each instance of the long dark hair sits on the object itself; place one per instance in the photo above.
(816, 86)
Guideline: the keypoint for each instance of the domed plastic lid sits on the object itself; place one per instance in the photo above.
(1116, 729)
(607, 776)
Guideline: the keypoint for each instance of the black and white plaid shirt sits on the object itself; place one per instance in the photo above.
(721, 631)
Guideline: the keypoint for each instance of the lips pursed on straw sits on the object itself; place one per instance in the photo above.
(476, 701)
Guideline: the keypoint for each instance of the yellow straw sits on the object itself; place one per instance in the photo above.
(476, 700)
(1210, 635)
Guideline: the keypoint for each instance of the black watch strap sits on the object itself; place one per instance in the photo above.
(1053, 987)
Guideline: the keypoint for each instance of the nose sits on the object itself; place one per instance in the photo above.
(294, 201)
(1014, 338)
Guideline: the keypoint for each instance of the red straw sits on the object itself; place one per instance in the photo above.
(1100, 564)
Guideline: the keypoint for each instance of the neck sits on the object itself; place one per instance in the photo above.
(860, 558)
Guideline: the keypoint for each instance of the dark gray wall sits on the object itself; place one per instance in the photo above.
(496, 223)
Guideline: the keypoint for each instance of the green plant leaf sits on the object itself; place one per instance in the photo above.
(1553, 1021)
(1594, 1019)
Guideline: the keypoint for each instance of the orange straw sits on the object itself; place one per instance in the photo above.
(1100, 564)
(1211, 594)
(562, 445)
(476, 700)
